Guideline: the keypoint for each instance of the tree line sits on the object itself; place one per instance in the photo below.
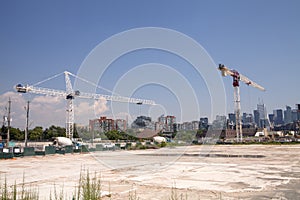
(35, 134)
(40, 134)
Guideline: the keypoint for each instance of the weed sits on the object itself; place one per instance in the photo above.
(88, 188)
(132, 195)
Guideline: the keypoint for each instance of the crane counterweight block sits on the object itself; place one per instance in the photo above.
(20, 88)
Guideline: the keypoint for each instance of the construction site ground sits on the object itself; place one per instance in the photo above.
(185, 172)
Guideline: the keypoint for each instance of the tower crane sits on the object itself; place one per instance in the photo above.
(237, 77)
(69, 94)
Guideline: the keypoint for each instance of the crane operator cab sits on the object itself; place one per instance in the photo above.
(21, 88)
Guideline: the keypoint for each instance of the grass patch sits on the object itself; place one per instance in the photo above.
(175, 196)
(12, 192)
(88, 188)
(132, 195)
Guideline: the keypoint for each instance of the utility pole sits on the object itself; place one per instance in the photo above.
(8, 123)
(27, 120)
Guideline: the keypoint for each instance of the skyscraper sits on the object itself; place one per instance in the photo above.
(167, 123)
(203, 123)
(247, 118)
(170, 121)
(262, 111)
(256, 117)
(271, 118)
(231, 117)
(288, 115)
(294, 115)
(278, 117)
(260, 116)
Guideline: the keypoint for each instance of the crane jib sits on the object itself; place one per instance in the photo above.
(69, 94)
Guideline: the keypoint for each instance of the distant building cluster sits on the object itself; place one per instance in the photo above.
(104, 124)
(279, 120)
(260, 119)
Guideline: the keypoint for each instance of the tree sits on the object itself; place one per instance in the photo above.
(201, 133)
(116, 135)
(54, 131)
(4, 132)
(16, 134)
(36, 133)
(75, 133)
(112, 135)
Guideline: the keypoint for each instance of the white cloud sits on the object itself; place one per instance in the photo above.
(124, 115)
(42, 112)
(48, 110)
(100, 106)
(89, 109)
(17, 108)
(47, 99)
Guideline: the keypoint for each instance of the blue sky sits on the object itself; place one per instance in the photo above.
(259, 38)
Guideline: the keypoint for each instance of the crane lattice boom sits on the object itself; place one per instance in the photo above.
(228, 72)
(70, 94)
(61, 93)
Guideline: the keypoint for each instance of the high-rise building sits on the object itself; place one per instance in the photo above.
(103, 124)
(256, 118)
(121, 124)
(271, 118)
(195, 125)
(186, 126)
(203, 123)
(288, 115)
(295, 115)
(231, 117)
(159, 126)
(219, 122)
(247, 118)
(162, 119)
(260, 116)
(262, 111)
(170, 121)
(278, 117)
(166, 123)
(298, 109)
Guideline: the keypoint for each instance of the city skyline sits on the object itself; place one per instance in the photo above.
(285, 117)
(39, 40)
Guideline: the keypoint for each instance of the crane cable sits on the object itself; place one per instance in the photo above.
(94, 84)
(82, 79)
(52, 77)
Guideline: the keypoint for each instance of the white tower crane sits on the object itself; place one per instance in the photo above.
(70, 94)
(237, 77)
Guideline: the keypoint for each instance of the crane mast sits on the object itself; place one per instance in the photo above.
(70, 107)
(237, 77)
(69, 94)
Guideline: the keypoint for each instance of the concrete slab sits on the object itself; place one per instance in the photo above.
(197, 172)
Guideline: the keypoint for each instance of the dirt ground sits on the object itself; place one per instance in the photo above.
(192, 172)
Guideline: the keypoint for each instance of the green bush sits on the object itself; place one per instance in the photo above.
(163, 144)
